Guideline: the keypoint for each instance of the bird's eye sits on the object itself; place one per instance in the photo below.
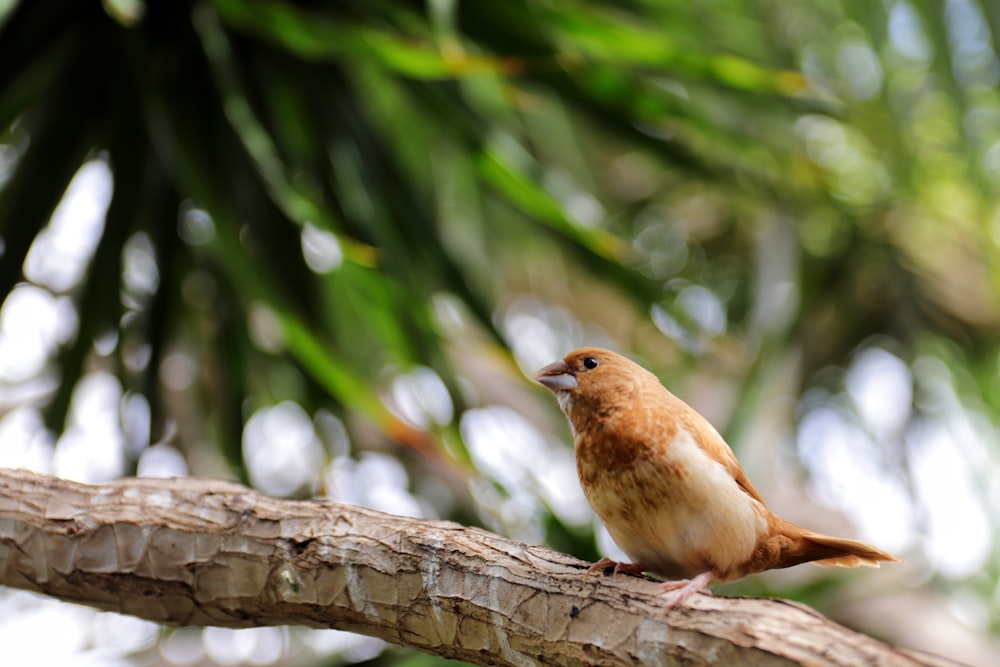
(590, 362)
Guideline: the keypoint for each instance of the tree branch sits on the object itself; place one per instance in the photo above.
(207, 552)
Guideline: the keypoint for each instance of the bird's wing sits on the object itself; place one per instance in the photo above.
(712, 443)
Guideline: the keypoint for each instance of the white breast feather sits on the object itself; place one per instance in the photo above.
(703, 512)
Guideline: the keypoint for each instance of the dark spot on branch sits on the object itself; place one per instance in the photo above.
(299, 547)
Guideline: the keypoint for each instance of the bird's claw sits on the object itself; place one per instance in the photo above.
(605, 563)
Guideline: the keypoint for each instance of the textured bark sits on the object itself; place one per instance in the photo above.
(206, 552)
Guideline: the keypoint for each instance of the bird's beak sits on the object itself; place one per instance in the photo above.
(557, 377)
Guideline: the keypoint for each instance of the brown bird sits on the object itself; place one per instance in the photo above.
(667, 486)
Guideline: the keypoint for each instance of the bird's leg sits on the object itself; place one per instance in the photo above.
(687, 587)
(605, 563)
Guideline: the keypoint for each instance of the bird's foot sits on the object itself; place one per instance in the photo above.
(687, 587)
(605, 563)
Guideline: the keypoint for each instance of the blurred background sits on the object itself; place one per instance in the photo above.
(318, 248)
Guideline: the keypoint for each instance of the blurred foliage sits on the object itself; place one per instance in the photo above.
(746, 194)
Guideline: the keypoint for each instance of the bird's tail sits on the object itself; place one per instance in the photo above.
(836, 551)
(799, 545)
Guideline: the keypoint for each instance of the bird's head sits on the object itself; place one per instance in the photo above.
(591, 381)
